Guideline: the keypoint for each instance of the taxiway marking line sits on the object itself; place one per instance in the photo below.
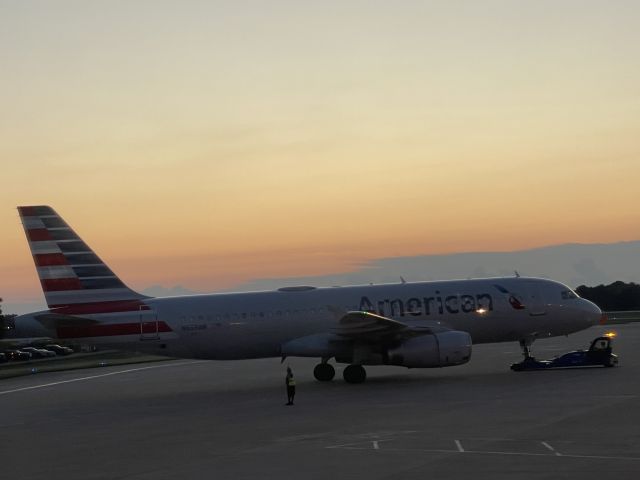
(80, 379)
(551, 448)
(459, 445)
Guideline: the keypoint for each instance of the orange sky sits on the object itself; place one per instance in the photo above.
(211, 143)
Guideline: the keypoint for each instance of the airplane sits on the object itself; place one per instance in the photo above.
(409, 324)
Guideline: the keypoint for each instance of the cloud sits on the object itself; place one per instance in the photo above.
(572, 264)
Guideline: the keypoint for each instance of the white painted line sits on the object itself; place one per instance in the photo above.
(551, 448)
(459, 445)
(352, 446)
(80, 379)
(375, 445)
(480, 452)
(347, 446)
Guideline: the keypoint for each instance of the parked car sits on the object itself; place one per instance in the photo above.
(59, 349)
(3, 358)
(17, 355)
(22, 355)
(39, 352)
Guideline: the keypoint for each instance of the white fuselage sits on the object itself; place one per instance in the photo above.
(257, 324)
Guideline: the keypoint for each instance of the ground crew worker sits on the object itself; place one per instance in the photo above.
(290, 382)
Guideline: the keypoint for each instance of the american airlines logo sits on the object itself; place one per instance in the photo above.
(437, 304)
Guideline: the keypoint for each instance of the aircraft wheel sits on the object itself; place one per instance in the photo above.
(354, 374)
(324, 372)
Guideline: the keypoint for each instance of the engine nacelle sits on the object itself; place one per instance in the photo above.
(437, 350)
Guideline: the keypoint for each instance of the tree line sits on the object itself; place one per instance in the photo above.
(614, 297)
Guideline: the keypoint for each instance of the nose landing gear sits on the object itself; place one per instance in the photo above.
(525, 344)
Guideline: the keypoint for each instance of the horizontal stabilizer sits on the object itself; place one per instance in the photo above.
(54, 321)
(23, 342)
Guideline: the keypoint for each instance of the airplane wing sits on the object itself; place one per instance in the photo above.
(368, 327)
(372, 328)
(357, 328)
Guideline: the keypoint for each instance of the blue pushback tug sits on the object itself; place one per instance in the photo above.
(599, 354)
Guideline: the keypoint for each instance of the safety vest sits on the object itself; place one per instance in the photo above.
(291, 382)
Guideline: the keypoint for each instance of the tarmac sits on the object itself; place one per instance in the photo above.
(188, 419)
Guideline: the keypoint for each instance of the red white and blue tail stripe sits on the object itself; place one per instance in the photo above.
(74, 279)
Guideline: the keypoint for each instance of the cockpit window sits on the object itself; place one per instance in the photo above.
(568, 295)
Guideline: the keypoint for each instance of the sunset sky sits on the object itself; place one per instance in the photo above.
(209, 143)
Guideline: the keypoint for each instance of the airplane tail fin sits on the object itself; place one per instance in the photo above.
(73, 278)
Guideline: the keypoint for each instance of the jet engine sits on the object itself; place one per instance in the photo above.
(437, 350)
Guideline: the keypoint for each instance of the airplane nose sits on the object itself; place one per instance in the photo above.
(592, 313)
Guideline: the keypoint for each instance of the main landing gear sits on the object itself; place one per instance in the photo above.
(354, 374)
(324, 372)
